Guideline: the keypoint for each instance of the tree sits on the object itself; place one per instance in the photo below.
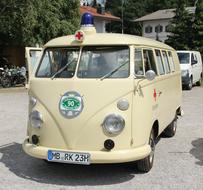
(114, 6)
(134, 9)
(131, 10)
(154, 5)
(27, 22)
(17, 21)
(181, 36)
(60, 17)
(198, 27)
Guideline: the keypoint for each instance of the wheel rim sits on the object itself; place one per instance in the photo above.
(6, 83)
(190, 84)
(174, 125)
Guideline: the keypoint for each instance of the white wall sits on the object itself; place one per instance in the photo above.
(162, 36)
(100, 25)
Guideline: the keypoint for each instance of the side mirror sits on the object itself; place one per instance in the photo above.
(150, 75)
(194, 62)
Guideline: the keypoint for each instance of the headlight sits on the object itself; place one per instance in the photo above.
(36, 119)
(33, 101)
(113, 124)
(184, 72)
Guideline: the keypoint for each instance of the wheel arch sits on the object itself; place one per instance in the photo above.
(155, 127)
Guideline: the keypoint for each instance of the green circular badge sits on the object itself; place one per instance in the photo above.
(71, 104)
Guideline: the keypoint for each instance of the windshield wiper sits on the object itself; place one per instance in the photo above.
(62, 69)
(113, 71)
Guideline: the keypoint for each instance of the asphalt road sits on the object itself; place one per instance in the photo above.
(178, 160)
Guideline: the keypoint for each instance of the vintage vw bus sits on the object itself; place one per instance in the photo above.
(102, 98)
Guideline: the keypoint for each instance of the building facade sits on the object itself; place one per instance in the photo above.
(101, 17)
(155, 25)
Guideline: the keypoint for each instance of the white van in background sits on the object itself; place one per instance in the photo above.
(191, 68)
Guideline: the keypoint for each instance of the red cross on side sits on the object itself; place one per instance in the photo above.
(155, 95)
(79, 35)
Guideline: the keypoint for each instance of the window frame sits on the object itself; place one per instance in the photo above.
(162, 63)
(162, 53)
(148, 29)
(158, 28)
(149, 49)
(60, 47)
(141, 50)
(112, 46)
(171, 61)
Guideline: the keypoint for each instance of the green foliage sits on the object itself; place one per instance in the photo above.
(154, 5)
(134, 9)
(114, 6)
(27, 22)
(198, 27)
(131, 10)
(181, 28)
(17, 21)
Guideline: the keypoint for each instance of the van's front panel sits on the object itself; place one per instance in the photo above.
(82, 132)
(77, 100)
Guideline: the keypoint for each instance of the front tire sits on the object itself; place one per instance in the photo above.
(6, 82)
(189, 86)
(146, 164)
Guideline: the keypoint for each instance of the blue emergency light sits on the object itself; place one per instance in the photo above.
(87, 19)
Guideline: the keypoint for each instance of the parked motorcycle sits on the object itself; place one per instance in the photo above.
(13, 77)
(1, 73)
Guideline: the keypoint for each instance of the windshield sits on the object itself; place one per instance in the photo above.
(184, 58)
(96, 62)
(54, 59)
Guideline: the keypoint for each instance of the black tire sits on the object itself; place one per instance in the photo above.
(6, 82)
(146, 164)
(170, 131)
(189, 86)
(199, 83)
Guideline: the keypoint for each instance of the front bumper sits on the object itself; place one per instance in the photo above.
(117, 156)
(185, 79)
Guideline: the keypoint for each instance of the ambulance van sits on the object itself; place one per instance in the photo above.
(102, 98)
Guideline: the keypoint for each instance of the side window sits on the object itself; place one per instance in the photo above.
(149, 62)
(138, 62)
(159, 28)
(159, 62)
(193, 59)
(166, 62)
(148, 29)
(170, 57)
(45, 68)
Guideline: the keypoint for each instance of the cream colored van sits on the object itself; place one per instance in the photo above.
(102, 98)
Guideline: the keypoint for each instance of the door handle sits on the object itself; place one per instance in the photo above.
(159, 93)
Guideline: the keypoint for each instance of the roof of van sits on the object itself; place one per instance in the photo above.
(188, 51)
(105, 39)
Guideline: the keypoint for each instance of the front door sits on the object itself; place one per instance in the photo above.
(32, 56)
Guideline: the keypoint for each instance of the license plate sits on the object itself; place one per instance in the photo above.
(68, 157)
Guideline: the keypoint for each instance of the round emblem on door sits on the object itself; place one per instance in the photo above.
(71, 104)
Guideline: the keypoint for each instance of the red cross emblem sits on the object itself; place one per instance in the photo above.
(79, 36)
(155, 94)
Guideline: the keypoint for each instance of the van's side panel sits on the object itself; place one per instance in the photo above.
(142, 114)
(155, 100)
(198, 66)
